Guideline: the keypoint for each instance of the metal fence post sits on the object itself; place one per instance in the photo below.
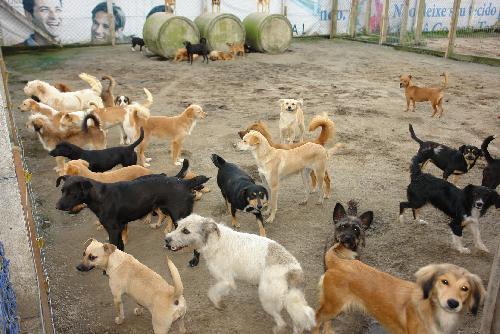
(404, 23)
(111, 19)
(352, 18)
(420, 21)
(385, 23)
(334, 13)
(453, 28)
(368, 14)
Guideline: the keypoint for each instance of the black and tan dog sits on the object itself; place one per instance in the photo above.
(463, 206)
(449, 160)
(349, 230)
(117, 204)
(197, 49)
(491, 173)
(240, 192)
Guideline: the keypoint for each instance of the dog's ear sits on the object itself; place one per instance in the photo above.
(209, 227)
(243, 192)
(410, 76)
(366, 219)
(41, 88)
(300, 102)
(462, 149)
(468, 193)
(109, 248)
(477, 293)
(88, 242)
(253, 140)
(338, 213)
(426, 277)
(84, 162)
(71, 170)
(86, 186)
(61, 178)
(281, 101)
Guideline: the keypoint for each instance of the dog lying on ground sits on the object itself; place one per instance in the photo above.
(50, 136)
(181, 55)
(491, 173)
(70, 101)
(327, 133)
(100, 160)
(236, 48)
(463, 206)
(240, 192)
(291, 122)
(232, 256)
(449, 160)
(435, 303)
(117, 204)
(128, 276)
(137, 41)
(175, 128)
(274, 165)
(122, 101)
(419, 94)
(199, 49)
(107, 96)
(349, 230)
(220, 55)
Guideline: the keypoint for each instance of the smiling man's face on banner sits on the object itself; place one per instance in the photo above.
(47, 14)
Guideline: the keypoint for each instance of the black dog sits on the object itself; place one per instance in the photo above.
(463, 206)
(240, 191)
(137, 41)
(198, 49)
(491, 174)
(100, 160)
(117, 204)
(449, 160)
(349, 229)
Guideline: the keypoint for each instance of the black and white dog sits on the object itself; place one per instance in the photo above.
(464, 206)
(491, 173)
(137, 41)
(449, 160)
(198, 49)
(122, 101)
(349, 230)
(240, 192)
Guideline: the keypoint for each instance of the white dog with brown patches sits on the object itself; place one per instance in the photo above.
(232, 256)
(291, 121)
(128, 276)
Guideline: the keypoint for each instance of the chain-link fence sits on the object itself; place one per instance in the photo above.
(9, 322)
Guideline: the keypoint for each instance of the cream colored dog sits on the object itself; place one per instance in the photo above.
(128, 276)
(291, 121)
(69, 101)
(276, 164)
(74, 118)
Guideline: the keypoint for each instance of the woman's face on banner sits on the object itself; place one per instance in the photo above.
(47, 15)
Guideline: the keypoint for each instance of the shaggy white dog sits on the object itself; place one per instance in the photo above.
(70, 101)
(232, 255)
(291, 122)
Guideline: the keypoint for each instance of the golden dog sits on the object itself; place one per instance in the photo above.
(421, 94)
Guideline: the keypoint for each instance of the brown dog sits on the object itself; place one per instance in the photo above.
(220, 55)
(108, 99)
(237, 48)
(434, 304)
(182, 54)
(421, 94)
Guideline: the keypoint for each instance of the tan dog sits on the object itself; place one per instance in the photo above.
(215, 6)
(60, 119)
(275, 164)
(69, 101)
(107, 97)
(111, 116)
(92, 136)
(220, 55)
(175, 128)
(128, 276)
(434, 304)
(291, 122)
(421, 94)
(182, 54)
(237, 48)
(262, 4)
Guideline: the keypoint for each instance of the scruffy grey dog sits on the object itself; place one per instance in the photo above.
(349, 229)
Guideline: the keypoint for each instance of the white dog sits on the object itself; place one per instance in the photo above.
(70, 101)
(291, 121)
(232, 255)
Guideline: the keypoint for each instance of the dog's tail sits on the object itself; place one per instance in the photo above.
(94, 118)
(303, 316)
(176, 278)
(138, 141)
(484, 148)
(149, 99)
(417, 160)
(327, 128)
(414, 136)
(218, 161)
(112, 82)
(182, 173)
(196, 182)
(93, 82)
(445, 82)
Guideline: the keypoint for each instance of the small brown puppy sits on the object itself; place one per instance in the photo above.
(182, 54)
(237, 48)
(108, 99)
(421, 94)
(434, 304)
(128, 276)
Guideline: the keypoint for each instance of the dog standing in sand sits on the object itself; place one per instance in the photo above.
(128, 276)
(232, 256)
(291, 121)
(421, 94)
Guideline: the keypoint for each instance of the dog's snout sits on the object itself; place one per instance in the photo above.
(82, 267)
(452, 303)
(168, 240)
(479, 205)
(400, 85)
(259, 206)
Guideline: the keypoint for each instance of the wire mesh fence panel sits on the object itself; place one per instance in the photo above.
(9, 322)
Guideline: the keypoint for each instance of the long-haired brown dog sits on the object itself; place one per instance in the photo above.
(433, 304)
(421, 94)
(326, 134)
(107, 97)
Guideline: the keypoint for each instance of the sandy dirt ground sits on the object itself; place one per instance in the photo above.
(484, 47)
(356, 84)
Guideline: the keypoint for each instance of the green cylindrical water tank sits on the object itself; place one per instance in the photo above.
(151, 30)
(220, 29)
(271, 33)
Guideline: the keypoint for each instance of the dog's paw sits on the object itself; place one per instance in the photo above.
(132, 49)
(401, 219)
(119, 320)
(320, 202)
(138, 311)
(464, 250)
(423, 222)
(148, 159)
(270, 219)
(146, 164)
(482, 247)
(155, 226)
(100, 227)
(279, 329)
(304, 202)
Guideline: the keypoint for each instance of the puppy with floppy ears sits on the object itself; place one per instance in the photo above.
(128, 276)
(291, 122)
(421, 94)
